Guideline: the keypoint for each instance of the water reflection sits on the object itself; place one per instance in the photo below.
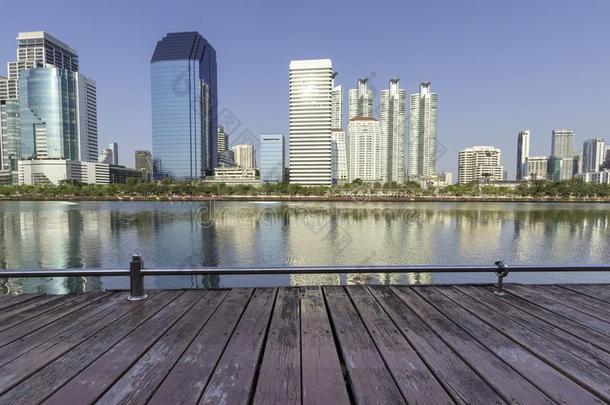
(180, 235)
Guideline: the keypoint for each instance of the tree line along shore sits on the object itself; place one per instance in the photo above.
(198, 190)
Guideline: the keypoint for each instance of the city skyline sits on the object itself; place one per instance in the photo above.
(516, 42)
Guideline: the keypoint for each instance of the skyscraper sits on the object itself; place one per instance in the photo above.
(272, 158)
(523, 152)
(49, 114)
(361, 100)
(337, 106)
(184, 106)
(422, 133)
(365, 149)
(339, 153)
(337, 134)
(144, 164)
(480, 163)
(244, 156)
(593, 155)
(562, 143)
(310, 117)
(561, 162)
(87, 119)
(393, 121)
(115, 153)
(36, 49)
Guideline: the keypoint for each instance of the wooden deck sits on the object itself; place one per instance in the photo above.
(330, 345)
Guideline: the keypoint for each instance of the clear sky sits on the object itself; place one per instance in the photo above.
(497, 66)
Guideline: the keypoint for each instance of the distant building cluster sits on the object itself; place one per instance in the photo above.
(49, 130)
(564, 163)
(48, 118)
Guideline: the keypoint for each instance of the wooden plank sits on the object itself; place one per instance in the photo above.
(594, 378)
(322, 376)
(138, 384)
(370, 379)
(579, 301)
(549, 380)
(29, 335)
(510, 384)
(462, 383)
(94, 380)
(415, 380)
(600, 292)
(538, 297)
(233, 380)
(279, 380)
(8, 301)
(31, 309)
(547, 317)
(544, 330)
(32, 325)
(189, 377)
(43, 383)
(20, 368)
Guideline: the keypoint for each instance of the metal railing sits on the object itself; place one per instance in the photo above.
(137, 272)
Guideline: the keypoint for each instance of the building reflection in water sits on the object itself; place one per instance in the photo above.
(189, 235)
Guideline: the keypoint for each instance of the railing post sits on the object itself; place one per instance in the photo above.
(501, 272)
(136, 280)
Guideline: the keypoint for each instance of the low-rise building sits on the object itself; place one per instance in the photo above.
(54, 171)
(536, 168)
(144, 163)
(234, 175)
(120, 174)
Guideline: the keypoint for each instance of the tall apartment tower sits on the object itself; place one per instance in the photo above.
(523, 152)
(393, 122)
(361, 100)
(365, 149)
(422, 133)
(593, 155)
(184, 106)
(310, 117)
(480, 163)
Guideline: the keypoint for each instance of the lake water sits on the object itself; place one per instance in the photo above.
(35, 235)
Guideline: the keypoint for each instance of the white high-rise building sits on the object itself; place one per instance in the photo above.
(393, 122)
(480, 163)
(422, 133)
(340, 168)
(244, 156)
(364, 149)
(523, 152)
(593, 155)
(361, 100)
(310, 116)
(87, 119)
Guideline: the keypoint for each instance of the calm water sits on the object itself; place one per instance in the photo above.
(37, 235)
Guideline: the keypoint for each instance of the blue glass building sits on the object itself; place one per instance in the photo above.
(48, 114)
(272, 158)
(184, 107)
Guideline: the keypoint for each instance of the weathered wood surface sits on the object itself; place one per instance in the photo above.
(313, 345)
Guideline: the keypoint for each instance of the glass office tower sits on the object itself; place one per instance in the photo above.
(49, 114)
(272, 158)
(184, 111)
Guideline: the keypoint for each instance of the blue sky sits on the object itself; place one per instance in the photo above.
(496, 66)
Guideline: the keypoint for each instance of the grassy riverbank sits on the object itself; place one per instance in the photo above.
(573, 190)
